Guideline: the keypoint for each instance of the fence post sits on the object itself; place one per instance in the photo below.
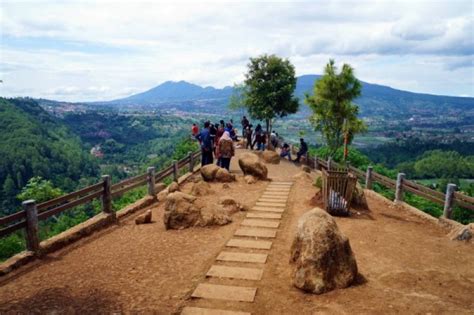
(368, 178)
(329, 163)
(191, 162)
(316, 164)
(32, 237)
(175, 170)
(449, 200)
(399, 187)
(151, 181)
(107, 196)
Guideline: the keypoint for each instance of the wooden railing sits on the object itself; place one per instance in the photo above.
(32, 212)
(401, 185)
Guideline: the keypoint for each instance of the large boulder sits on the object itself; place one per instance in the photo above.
(224, 176)
(321, 256)
(208, 172)
(213, 217)
(201, 189)
(271, 157)
(250, 165)
(180, 211)
(184, 211)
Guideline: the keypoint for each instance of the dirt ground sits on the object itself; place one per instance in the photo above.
(406, 265)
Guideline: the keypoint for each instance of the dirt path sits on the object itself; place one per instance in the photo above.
(406, 264)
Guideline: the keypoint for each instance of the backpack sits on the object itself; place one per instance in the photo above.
(225, 148)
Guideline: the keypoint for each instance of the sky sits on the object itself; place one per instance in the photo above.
(104, 50)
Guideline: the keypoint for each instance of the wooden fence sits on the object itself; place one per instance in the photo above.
(32, 212)
(401, 185)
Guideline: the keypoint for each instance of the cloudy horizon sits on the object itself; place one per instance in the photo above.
(104, 50)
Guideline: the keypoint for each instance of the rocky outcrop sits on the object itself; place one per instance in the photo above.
(462, 233)
(143, 218)
(162, 194)
(271, 157)
(208, 172)
(224, 176)
(229, 206)
(201, 189)
(321, 256)
(250, 165)
(213, 172)
(180, 211)
(173, 187)
(249, 179)
(184, 211)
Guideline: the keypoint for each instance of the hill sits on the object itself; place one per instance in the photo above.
(375, 99)
(34, 143)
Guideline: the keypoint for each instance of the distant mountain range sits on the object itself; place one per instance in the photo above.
(375, 99)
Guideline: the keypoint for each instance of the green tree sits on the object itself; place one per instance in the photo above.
(237, 98)
(270, 83)
(332, 105)
(39, 189)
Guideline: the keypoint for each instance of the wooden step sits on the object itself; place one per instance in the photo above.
(263, 215)
(270, 204)
(235, 272)
(268, 209)
(235, 242)
(261, 223)
(224, 292)
(254, 232)
(242, 257)
(209, 311)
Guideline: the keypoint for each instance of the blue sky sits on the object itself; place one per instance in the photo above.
(102, 50)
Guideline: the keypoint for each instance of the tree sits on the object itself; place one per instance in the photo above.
(237, 99)
(332, 106)
(40, 190)
(270, 83)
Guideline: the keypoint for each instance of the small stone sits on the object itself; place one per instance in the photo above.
(224, 176)
(306, 168)
(225, 186)
(144, 218)
(249, 179)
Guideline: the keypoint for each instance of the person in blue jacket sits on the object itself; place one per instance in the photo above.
(205, 138)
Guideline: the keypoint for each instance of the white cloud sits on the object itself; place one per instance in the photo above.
(50, 45)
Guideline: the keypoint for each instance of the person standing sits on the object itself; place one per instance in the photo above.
(248, 136)
(205, 139)
(245, 122)
(257, 135)
(302, 151)
(225, 150)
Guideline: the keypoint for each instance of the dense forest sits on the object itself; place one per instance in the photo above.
(34, 143)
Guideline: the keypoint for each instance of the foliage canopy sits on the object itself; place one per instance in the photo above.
(270, 83)
(332, 105)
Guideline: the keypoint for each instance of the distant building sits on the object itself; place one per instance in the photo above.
(97, 151)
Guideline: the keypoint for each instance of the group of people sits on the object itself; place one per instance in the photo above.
(218, 140)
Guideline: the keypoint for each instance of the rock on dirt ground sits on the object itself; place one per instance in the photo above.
(143, 218)
(271, 157)
(249, 179)
(185, 211)
(201, 188)
(213, 172)
(249, 164)
(173, 187)
(321, 256)
(224, 176)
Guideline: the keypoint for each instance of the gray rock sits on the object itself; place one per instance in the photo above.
(321, 256)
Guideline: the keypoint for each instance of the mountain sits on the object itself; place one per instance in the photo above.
(35, 143)
(176, 91)
(375, 99)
